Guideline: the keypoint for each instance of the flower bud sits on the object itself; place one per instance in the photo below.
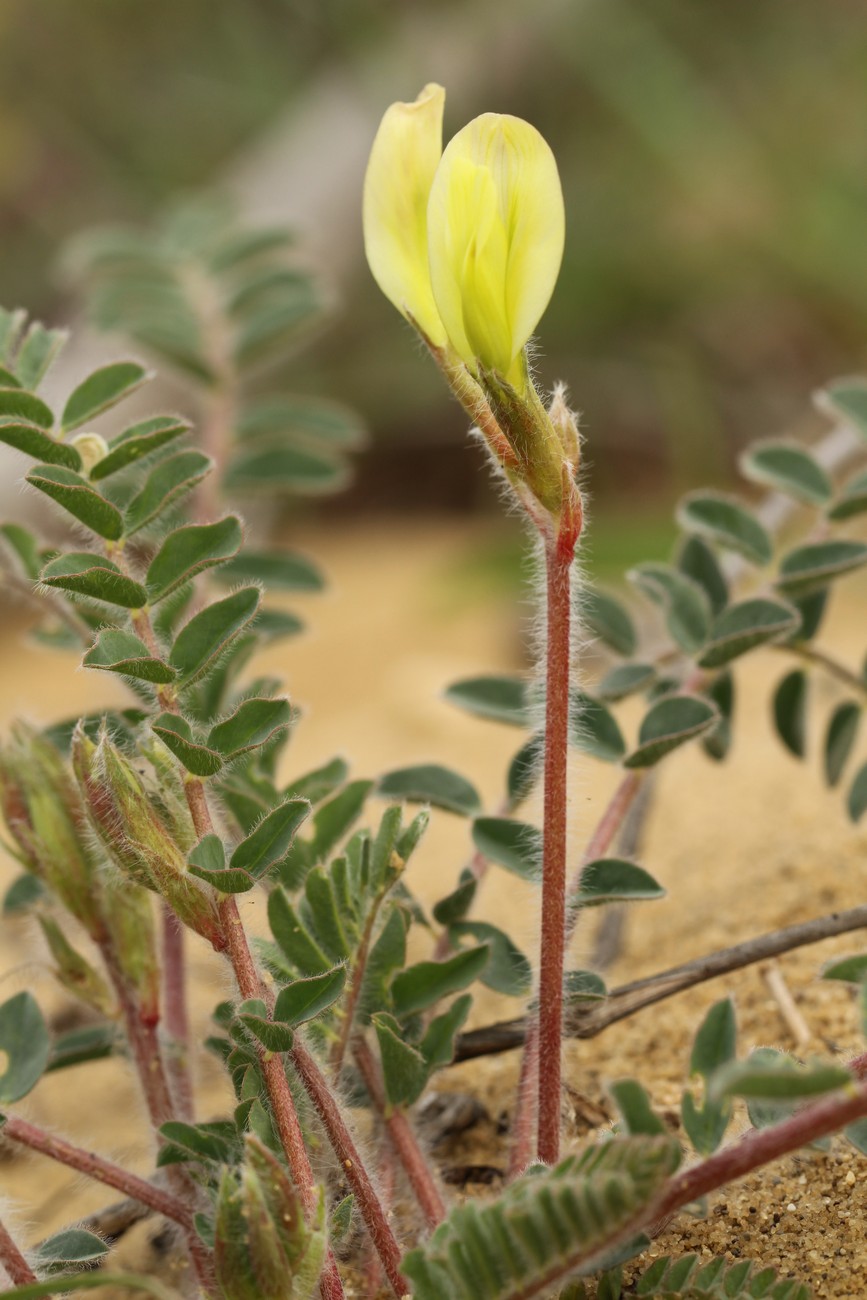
(73, 971)
(565, 424)
(45, 816)
(129, 920)
(135, 836)
(91, 447)
(262, 1245)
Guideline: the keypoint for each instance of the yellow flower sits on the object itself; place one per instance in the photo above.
(495, 241)
(397, 186)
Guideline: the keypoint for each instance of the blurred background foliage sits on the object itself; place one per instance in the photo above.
(712, 159)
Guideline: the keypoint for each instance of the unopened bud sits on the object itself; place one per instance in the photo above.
(565, 424)
(91, 447)
(539, 453)
(262, 1245)
(75, 972)
(43, 810)
(136, 838)
(129, 920)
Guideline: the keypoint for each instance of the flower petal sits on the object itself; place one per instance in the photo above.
(495, 236)
(402, 164)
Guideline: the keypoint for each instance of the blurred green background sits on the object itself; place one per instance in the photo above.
(712, 158)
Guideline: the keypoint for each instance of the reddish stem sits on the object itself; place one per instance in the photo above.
(175, 1014)
(16, 1266)
(144, 1045)
(285, 1115)
(759, 1147)
(600, 841)
(98, 1168)
(402, 1138)
(356, 1175)
(553, 937)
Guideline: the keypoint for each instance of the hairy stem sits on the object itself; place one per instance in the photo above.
(175, 1014)
(17, 1269)
(356, 1174)
(525, 1110)
(282, 1106)
(402, 1137)
(558, 560)
(98, 1168)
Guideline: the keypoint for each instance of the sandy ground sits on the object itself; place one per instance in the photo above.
(753, 845)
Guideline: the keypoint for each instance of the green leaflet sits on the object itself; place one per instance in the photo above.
(545, 1227)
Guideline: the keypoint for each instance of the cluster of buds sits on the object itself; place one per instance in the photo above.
(467, 244)
(262, 1245)
(44, 810)
(135, 837)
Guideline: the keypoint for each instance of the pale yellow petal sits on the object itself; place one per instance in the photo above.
(403, 161)
(496, 232)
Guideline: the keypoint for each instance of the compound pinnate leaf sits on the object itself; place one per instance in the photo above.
(139, 441)
(725, 520)
(788, 468)
(25, 1047)
(116, 651)
(433, 784)
(76, 496)
(671, 722)
(91, 575)
(499, 698)
(745, 626)
(101, 390)
(189, 551)
(545, 1226)
(693, 1278)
